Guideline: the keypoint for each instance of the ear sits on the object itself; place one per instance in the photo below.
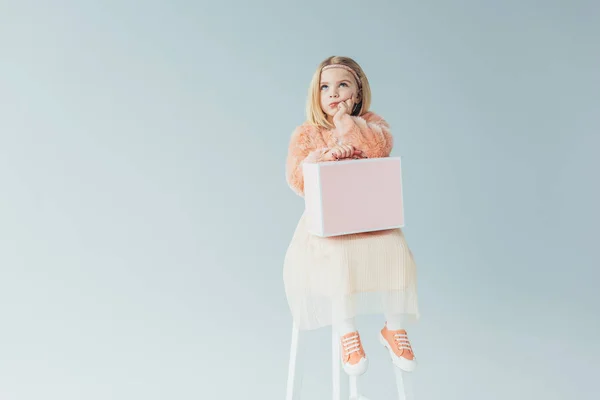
(358, 97)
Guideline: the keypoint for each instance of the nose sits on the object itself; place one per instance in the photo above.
(333, 93)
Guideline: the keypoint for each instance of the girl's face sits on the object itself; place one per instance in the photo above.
(337, 85)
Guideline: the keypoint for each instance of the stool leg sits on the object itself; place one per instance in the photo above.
(335, 358)
(292, 364)
(404, 387)
(353, 387)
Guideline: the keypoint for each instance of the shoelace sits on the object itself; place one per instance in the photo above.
(402, 341)
(351, 344)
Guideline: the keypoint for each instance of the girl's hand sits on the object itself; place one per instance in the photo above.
(344, 108)
(343, 151)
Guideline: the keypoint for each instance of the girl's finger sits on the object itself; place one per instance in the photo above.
(359, 153)
(349, 151)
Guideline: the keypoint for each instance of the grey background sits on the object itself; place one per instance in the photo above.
(144, 213)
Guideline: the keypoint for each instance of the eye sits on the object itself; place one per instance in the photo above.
(344, 84)
(323, 87)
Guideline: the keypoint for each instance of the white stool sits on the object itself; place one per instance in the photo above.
(336, 369)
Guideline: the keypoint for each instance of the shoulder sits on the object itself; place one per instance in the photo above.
(305, 132)
(304, 139)
(372, 117)
(306, 129)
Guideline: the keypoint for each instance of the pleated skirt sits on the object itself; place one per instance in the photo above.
(328, 280)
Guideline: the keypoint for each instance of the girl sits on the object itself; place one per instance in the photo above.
(329, 281)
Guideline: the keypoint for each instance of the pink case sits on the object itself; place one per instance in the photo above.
(353, 196)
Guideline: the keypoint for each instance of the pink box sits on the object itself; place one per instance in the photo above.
(353, 196)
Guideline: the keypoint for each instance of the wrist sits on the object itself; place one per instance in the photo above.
(317, 155)
(343, 123)
(342, 117)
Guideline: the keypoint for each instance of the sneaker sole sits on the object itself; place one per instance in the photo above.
(358, 369)
(402, 363)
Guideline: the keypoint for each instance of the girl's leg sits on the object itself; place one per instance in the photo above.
(353, 355)
(343, 316)
(345, 327)
(395, 322)
(392, 306)
(395, 338)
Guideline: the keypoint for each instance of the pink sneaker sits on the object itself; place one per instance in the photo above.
(354, 359)
(399, 347)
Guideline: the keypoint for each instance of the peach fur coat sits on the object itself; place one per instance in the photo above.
(370, 133)
(331, 279)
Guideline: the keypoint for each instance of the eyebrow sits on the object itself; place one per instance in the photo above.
(343, 80)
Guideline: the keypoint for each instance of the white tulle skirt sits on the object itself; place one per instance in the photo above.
(328, 280)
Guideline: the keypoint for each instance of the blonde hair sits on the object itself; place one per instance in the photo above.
(314, 113)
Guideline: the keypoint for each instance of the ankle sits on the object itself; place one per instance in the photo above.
(395, 322)
(345, 327)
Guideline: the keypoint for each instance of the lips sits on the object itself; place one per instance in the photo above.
(335, 104)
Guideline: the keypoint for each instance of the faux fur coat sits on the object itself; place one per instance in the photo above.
(369, 133)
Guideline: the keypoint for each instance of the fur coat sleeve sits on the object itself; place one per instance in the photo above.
(304, 147)
(369, 133)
